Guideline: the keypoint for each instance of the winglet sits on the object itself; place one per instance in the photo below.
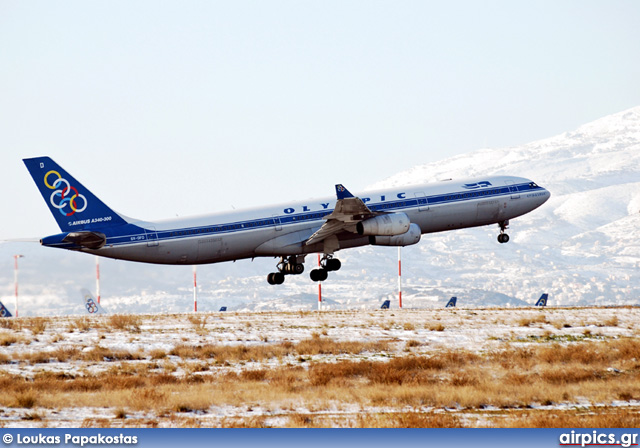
(342, 192)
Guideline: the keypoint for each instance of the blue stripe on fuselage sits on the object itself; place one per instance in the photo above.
(133, 234)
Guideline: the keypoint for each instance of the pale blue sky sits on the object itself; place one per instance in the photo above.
(165, 108)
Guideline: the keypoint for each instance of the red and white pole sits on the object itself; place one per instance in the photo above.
(15, 279)
(195, 290)
(400, 276)
(319, 288)
(98, 279)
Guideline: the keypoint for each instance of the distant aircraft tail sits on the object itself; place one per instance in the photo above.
(542, 301)
(90, 304)
(451, 303)
(223, 308)
(385, 305)
(4, 312)
(73, 206)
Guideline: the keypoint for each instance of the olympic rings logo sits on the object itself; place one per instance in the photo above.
(3, 311)
(91, 305)
(68, 195)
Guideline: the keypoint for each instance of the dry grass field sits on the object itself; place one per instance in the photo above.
(554, 367)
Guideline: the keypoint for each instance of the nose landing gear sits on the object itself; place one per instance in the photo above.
(503, 237)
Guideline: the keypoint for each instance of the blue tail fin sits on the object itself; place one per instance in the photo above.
(542, 301)
(342, 192)
(385, 305)
(4, 312)
(73, 206)
(223, 308)
(451, 302)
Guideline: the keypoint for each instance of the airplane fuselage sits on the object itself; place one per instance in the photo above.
(282, 230)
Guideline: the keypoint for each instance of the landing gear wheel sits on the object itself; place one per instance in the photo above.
(503, 237)
(291, 265)
(319, 275)
(332, 264)
(275, 278)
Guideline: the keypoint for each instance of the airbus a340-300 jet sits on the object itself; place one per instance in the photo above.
(391, 217)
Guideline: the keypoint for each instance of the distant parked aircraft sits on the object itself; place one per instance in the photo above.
(90, 304)
(391, 217)
(451, 303)
(385, 305)
(4, 312)
(542, 301)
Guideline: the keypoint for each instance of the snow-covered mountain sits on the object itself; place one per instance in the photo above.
(582, 246)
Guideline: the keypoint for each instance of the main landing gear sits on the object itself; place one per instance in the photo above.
(503, 237)
(327, 264)
(291, 265)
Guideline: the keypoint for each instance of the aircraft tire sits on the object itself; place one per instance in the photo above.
(319, 275)
(333, 264)
(503, 238)
(275, 278)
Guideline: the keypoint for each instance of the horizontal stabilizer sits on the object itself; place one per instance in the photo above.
(90, 240)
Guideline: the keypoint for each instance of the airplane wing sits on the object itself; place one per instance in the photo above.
(348, 212)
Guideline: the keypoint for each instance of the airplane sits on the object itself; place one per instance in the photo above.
(542, 301)
(91, 305)
(451, 303)
(391, 217)
(4, 312)
(385, 305)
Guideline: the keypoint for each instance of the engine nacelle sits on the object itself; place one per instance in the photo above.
(412, 236)
(391, 224)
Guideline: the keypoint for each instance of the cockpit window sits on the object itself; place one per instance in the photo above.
(533, 185)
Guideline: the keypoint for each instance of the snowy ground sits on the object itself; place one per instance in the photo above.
(477, 330)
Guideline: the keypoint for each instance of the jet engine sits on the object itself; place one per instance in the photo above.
(412, 236)
(391, 224)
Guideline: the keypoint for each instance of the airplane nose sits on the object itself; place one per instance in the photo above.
(547, 195)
